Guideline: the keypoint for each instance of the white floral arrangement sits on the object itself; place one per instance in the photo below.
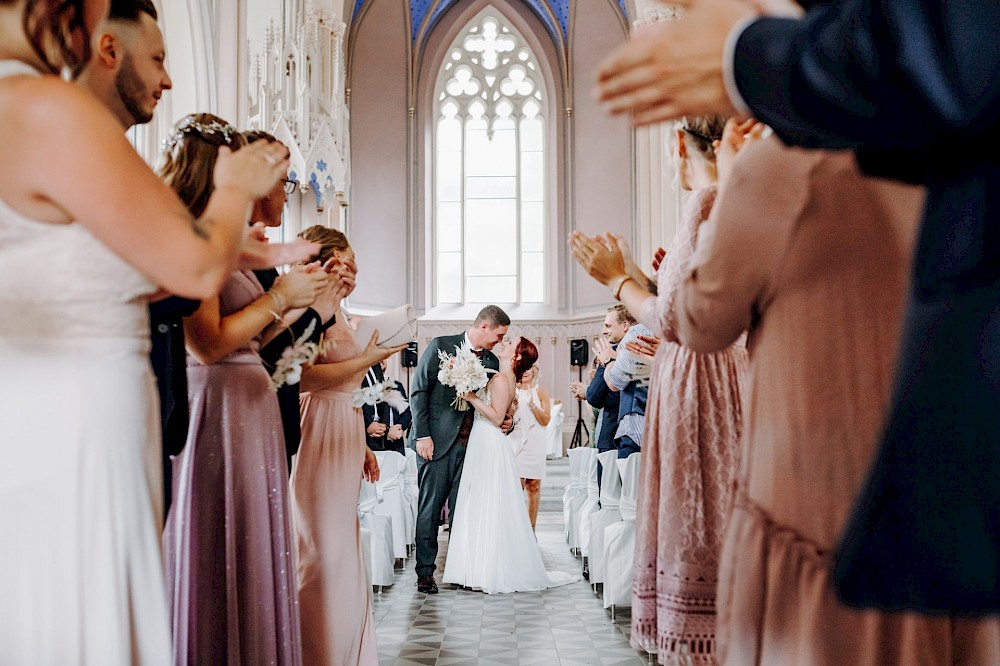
(464, 372)
(302, 353)
(378, 393)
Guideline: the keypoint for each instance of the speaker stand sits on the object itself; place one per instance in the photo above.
(580, 431)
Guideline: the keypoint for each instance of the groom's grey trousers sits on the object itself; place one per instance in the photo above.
(439, 480)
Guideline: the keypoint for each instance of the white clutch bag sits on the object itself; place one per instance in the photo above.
(395, 327)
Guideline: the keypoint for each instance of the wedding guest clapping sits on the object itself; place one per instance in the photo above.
(830, 251)
(692, 428)
(229, 568)
(85, 239)
(334, 590)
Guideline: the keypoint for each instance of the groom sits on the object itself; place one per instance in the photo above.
(440, 432)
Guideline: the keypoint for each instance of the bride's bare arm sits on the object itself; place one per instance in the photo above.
(501, 394)
(65, 159)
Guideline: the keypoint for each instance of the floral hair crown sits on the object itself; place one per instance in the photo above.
(189, 125)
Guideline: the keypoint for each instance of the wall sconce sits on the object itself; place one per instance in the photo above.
(341, 199)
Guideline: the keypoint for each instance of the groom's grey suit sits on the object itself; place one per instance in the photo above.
(434, 417)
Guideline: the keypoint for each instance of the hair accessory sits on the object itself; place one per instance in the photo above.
(189, 125)
(699, 135)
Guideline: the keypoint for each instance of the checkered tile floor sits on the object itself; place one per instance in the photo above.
(565, 625)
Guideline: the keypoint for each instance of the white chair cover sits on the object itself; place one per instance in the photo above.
(570, 494)
(554, 433)
(619, 540)
(391, 502)
(611, 493)
(578, 485)
(380, 527)
(591, 499)
(411, 492)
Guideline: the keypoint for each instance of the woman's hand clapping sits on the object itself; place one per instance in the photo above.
(300, 285)
(254, 169)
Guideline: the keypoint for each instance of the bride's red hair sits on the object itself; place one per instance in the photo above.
(525, 356)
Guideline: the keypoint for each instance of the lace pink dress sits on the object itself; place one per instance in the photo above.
(693, 418)
(337, 625)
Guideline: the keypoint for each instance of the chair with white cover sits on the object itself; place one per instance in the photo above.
(591, 500)
(554, 433)
(619, 540)
(411, 492)
(383, 571)
(570, 496)
(391, 502)
(611, 494)
(583, 455)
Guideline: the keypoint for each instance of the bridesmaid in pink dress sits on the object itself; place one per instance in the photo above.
(693, 419)
(337, 626)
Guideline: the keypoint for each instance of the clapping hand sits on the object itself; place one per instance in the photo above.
(644, 346)
(579, 390)
(602, 260)
(736, 136)
(256, 253)
(658, 258)
(604, 351)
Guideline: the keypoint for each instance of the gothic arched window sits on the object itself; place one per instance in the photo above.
(489, 168)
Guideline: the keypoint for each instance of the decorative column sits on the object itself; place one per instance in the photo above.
(658, 197)
(297, 94)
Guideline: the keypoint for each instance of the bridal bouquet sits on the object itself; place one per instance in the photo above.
(288, 369)
(464, 372)
(378, 393)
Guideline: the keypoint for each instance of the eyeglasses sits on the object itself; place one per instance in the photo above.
(290, 185)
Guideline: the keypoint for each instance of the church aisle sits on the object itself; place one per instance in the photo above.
(566, 625)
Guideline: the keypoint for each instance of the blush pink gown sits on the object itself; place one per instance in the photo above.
(693, 418)
(337, 624)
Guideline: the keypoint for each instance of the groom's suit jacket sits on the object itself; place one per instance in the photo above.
(913, 86)
(430, 402)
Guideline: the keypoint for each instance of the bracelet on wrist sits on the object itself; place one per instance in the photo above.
(616, 288)
(257, 306)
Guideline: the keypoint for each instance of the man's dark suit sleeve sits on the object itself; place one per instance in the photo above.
(406, 417)
(420, 390)
(597, 392)
(897, 75)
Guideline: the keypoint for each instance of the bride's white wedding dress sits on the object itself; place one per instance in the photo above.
(491, 546)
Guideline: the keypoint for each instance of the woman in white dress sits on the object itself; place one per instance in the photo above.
(492, 546)
(87, 232)
(529, 437)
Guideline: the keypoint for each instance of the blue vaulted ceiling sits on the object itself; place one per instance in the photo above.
(553, 13)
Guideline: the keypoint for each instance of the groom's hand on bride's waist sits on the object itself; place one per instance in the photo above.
(507, 424)
(425, 448)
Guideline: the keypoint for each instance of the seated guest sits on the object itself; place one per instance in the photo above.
(385, 425)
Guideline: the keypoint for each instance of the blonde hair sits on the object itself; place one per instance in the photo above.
(702, 132)
(329, 239)
(188, 162)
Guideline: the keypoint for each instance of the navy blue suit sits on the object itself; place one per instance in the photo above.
(913, 86)
(602, 397)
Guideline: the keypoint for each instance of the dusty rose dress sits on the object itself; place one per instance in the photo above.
(337, 624)
(692, 432)
(228, 539)
(813, 258)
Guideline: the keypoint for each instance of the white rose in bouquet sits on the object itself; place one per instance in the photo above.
(464, 372)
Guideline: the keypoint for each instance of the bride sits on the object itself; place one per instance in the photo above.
(492, 546)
